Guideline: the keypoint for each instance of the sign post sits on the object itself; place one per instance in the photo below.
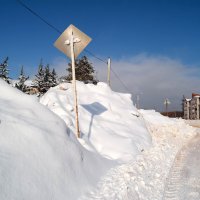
(72, 42)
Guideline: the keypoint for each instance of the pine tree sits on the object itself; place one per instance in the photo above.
(39, 81)
(4, 71)
(53, 78)
(84, 71)
(45, 78)
(22, 78)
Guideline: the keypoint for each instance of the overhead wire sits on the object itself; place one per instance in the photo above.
(116, 75)
(95, 56)
(37, 15)
(58, 31)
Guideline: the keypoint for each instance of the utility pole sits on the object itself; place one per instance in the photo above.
(109, 68)
(138, 100)
(166, 103)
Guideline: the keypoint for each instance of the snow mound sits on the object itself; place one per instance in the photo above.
(109, 122)
(39, 158)
(156, 118)
(145, 177)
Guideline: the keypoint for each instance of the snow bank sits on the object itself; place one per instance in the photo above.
(109, 122)
(145, 177)
(194, 123)
(39, 158)
(156, 118)
(160, 122)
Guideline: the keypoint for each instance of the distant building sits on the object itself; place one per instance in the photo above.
(191, 107)
(186, 108)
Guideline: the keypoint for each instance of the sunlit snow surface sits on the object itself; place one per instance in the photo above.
(39, 158)
(184, 178)
(110, 125)
(190, 177)
(145, 178)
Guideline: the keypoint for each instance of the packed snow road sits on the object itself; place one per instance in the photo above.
(184, 178)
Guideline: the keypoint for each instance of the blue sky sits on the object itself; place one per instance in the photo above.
(120, 29)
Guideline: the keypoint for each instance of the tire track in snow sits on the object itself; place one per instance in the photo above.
(144, 178)
(177, 180)
(173, 181)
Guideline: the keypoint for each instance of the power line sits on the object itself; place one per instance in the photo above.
(116, 75)
(53, 27)
(58, 31)
(95, 56)
(34, 13)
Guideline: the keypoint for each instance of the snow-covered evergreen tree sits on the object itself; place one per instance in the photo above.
(4, 71)
(39, 80)
(54, 78)
(45, 78)
(84, 71)
(21, 83)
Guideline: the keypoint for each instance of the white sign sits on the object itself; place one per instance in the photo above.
(81, 40)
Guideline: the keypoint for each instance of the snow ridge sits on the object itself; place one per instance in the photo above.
(144, 178)
(106, 119)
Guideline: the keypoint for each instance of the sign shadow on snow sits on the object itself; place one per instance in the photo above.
(95, 109)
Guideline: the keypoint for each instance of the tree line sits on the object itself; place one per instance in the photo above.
(47, 78)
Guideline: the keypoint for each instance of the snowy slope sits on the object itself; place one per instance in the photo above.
(39, 157)
(109, 122)
(145, 177)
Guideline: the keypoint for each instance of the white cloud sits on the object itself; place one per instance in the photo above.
(153, 77)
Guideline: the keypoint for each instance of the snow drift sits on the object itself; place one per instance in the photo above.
(39, 157)
(109, 123)
(145, 177)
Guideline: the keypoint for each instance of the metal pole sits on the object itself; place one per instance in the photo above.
(74, 86)
(108, 76)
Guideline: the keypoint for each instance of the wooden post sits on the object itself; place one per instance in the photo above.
(167, 108)
(72, 51)
(138, 101)
(108, 76)
(74, 86)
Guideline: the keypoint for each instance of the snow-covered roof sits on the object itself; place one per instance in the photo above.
(195, 95)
